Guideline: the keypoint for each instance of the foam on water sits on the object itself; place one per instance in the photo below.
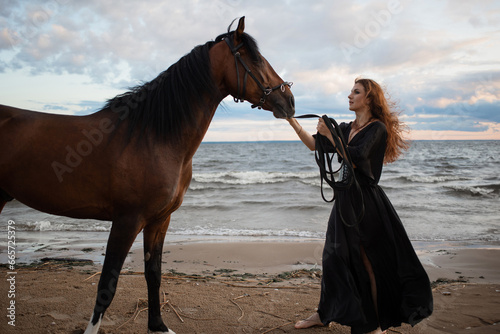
(442, 190)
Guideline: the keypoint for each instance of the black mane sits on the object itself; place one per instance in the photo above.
(165, 105)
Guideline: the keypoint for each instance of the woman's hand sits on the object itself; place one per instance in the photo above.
(323, 130)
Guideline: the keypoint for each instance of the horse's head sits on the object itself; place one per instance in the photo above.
(248, 76)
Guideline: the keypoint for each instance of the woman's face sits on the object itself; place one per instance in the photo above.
(357, 98)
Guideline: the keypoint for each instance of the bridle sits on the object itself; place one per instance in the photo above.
(265, 91)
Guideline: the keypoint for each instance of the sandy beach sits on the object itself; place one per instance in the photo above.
(240, 287)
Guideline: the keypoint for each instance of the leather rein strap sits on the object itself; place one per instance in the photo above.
(265, 91)
(346, 176)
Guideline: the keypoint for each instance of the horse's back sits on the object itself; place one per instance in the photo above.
(9, 113)
(7, 116)
(12, 121)
(15, 121)
(22, 131)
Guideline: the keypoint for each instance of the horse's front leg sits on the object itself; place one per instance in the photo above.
(122, 235)
(154, 235)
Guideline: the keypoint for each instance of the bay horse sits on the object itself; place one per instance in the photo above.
(131, 162)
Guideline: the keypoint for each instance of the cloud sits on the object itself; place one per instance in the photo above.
(479, 14)
(435, 58)
(475, 96)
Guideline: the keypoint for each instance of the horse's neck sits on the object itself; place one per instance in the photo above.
(193, 136)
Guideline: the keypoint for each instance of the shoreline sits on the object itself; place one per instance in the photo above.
(32, 245)
(473, 264)
(262, 256)
(242, 287)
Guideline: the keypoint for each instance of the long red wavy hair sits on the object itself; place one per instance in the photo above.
(387, 111)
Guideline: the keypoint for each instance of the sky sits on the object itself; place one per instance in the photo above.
(439, 60)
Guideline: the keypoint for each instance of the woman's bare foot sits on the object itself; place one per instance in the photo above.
(312, 321)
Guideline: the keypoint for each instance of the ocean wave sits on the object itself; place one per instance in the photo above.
(490, 191)
(248, 177)
(426, 178)
(247, 204)
(226, 232)
(46, 225)
(435, 178)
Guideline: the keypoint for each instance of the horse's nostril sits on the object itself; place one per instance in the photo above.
(292, 101)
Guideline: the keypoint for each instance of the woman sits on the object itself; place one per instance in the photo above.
(372, 278)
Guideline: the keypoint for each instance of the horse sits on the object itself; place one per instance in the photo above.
(131, 162)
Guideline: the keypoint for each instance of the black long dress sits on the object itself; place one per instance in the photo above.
(403, 288)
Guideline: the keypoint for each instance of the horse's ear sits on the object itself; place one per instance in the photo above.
(240, 29)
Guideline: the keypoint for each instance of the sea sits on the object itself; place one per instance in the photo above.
(445, 192)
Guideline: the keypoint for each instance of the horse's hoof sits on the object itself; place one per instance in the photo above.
(167, 332)
(93, 329)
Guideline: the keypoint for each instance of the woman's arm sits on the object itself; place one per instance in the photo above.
(305, 136)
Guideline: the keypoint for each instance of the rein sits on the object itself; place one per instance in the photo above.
(346, 177)
(265, 91)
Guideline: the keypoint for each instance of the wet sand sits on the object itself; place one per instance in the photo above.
(239, 287)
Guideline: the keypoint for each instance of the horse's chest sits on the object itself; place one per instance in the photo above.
(171, 188)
